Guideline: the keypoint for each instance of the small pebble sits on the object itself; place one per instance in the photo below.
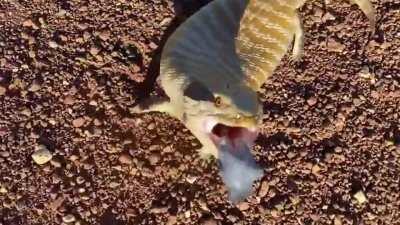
(360, 197)
(125, 159)
(4, 154)
(154, 159)
(153, 45)
(210, 221)
(151, 126)
(3, 190)
(2, 90)
(105, 35)
(335, 46)
(94, 51)
(42, 155)
(34, 87)
(315, 169)
(69, 100)
(171, 220)
(165, 21)
(55, 163)
(53, 44)
(312, 101)
(113, 185)
(61, 13)
(52, 121)
(328, 16)
(243, 206)
(275, 213)
(291, 155)
(26, 112)
(29, 23)
(80, 180)
(187, 214)
(78, 122)
(68, 218)
(158, 210)
(263, 189)
(191, 179)
(73, 158)
(337, 221)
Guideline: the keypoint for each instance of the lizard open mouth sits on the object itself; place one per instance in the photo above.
(233, 135)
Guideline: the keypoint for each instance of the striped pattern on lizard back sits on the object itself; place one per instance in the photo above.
(266, 32)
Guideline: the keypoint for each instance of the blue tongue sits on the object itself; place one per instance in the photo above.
(239, 170)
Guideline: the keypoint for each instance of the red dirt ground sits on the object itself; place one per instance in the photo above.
(70, 71)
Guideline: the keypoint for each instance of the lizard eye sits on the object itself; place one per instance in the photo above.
(218, 101)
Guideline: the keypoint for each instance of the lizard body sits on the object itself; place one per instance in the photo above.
(214, 64)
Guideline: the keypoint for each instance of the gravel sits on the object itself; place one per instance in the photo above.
(70, 71)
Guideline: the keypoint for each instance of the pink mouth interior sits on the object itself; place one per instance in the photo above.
(233, 135)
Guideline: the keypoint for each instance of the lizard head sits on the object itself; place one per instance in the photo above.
(229, 118)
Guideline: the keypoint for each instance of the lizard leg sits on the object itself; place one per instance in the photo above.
(206, 156)
(206, 153)
(208, 149)
(297, 51)
(153, 104)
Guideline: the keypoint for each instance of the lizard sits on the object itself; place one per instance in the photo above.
(212, 68)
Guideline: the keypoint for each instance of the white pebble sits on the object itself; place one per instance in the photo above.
(42, 155)
(360, 197)
(68, 218)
